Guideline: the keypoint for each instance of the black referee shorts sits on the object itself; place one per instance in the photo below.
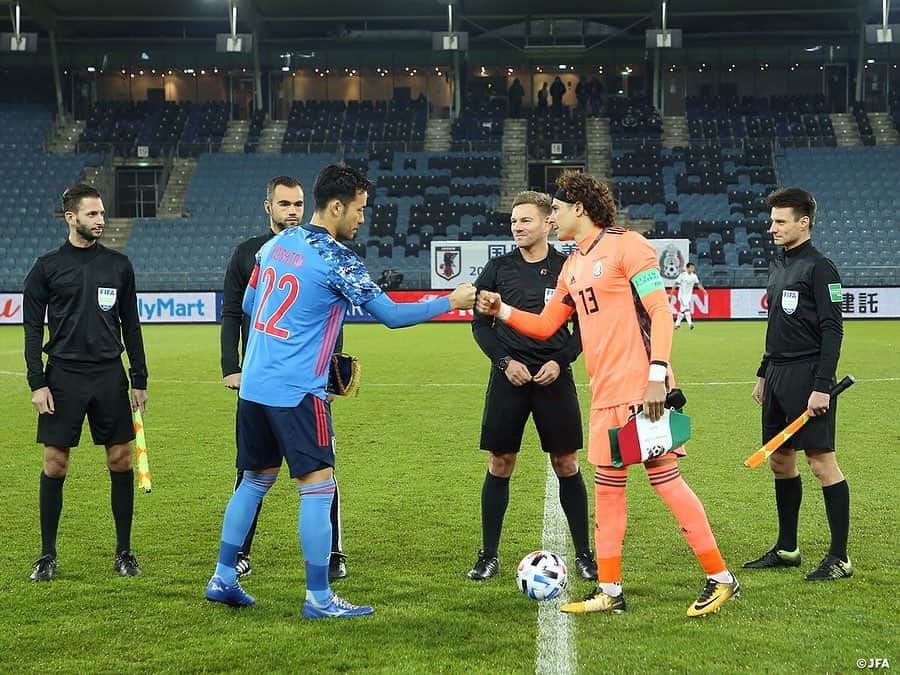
(101, 394)
(785, 395)
(555, 409)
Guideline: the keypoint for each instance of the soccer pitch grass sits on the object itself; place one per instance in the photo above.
(410, 476)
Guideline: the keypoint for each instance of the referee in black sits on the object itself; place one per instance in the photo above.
(87, 292)
(529, 377)
(803, 344)
(284, 206)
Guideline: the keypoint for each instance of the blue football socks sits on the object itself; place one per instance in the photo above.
(314, 529)
(238, 518)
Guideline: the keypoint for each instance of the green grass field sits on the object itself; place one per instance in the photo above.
(410, 475)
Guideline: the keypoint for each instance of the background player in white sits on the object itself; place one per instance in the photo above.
(684, 285)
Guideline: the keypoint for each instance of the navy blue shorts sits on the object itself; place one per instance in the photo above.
(302, 435)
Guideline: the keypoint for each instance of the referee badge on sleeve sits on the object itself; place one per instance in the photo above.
(835, 293)
(106, 298)
(789, 301)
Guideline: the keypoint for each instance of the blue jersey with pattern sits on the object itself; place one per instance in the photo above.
(303, 284)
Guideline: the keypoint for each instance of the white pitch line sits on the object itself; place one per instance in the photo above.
(556, 653)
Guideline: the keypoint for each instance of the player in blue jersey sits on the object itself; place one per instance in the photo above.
(304, 282)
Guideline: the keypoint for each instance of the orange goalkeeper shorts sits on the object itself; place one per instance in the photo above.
(604, 419)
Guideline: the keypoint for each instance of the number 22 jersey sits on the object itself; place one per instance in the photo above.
(301, 288)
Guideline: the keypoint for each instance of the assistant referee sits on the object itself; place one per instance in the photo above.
(87, 292)
(529, 377)
(803, 344)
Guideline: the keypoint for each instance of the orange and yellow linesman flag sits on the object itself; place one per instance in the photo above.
(140, 446)
(757, 458)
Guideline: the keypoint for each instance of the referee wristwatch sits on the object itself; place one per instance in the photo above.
(503, 364)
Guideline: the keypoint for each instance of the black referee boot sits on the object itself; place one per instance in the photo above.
(775, 557)
(126, 564)
(337, 566)
(44, 568)
(586, 566)
(486, 567)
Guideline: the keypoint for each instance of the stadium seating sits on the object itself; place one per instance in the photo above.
(357, 126)
(418, 196)
(565, 127)
(121, 126)
(857, 224)
(713, 195)
(224, 207)
(33, 183)
(633, 120)
(479, 126)
(796, 120)
(712, 192)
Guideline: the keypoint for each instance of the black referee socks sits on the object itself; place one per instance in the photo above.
(50, 500)
(121, 496)
(788, 495)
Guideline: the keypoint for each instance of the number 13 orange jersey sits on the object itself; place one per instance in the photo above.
(604, 280)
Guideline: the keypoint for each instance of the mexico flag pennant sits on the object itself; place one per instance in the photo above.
(640, 439)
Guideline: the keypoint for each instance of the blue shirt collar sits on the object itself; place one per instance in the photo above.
(316, 228)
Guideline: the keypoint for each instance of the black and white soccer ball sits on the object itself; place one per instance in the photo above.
(542, 575)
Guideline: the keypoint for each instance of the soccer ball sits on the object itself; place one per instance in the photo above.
(541, 575)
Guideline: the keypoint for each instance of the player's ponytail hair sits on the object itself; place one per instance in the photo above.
(594, 195)
(801, 201)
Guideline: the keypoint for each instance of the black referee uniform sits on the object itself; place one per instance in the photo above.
(235, 332)
(554, 407)
(557, 416)
(90, 301)
(803, 343)
(89, 298)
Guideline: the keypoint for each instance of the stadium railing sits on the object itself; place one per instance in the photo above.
(341, 147)
(465, 145)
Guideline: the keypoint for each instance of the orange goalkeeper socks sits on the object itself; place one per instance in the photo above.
(609, 513)
(689, 513)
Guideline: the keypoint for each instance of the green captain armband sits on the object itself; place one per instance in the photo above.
(647, 282)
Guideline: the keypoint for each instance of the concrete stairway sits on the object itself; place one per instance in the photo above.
(514, 167)
(438, 135)
(117, 232)
(599, 148)
(675, 132)
(64, 135)
(103, 178)
(172, 203)
(846, 130)
(272, 136)
(235, 136)
(883, 128)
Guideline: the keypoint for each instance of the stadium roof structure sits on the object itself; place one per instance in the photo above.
(351, 22)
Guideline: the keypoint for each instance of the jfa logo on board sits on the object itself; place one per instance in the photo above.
(447, 261)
